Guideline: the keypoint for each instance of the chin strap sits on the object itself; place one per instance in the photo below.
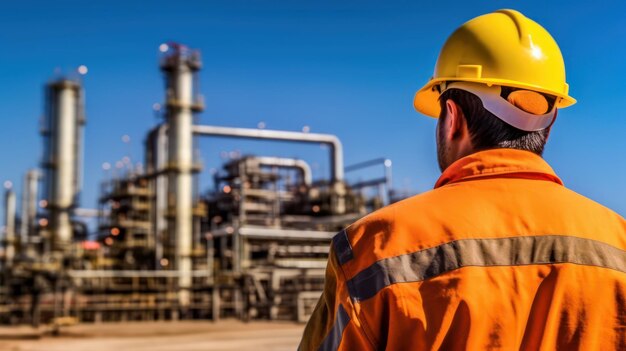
(501, 108)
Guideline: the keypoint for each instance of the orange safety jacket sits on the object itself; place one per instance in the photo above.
(500, 255)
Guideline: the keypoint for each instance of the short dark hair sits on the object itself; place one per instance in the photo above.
(488, 131)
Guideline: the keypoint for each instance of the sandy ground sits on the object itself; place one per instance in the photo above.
(157, 336)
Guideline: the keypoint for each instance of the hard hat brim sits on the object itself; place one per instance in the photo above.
(426, 100)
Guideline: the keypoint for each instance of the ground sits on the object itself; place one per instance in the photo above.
(157, 336)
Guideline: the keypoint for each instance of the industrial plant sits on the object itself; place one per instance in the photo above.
(166, 247)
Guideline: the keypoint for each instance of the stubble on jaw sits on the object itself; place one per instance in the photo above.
(442, 146)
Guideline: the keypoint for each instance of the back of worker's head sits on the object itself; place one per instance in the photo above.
(506, 74)
(486, 130)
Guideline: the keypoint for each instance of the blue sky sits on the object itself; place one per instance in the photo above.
(348, 68)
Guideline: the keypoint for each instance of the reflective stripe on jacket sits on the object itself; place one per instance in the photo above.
(500, 255)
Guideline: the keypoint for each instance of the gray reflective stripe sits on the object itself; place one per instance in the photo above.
(526, 250)
(333, 339)
(343, 250)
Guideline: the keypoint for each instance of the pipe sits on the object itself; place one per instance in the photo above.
(387, 181)
(156, 163)
(384, 161)
(89, 212)
(336, 150)
(79, 150)
(301, 165)
(135, 274)
(275, 233)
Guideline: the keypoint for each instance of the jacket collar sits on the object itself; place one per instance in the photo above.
(499, 163)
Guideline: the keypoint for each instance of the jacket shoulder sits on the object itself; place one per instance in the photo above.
(376, 235)
(592, 216)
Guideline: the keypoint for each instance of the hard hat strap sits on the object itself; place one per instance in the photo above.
(501, 108)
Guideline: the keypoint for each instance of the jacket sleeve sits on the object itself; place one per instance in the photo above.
(333, 324)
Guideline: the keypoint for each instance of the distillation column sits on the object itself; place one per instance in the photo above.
(63, 144)
(179, 65)
(9, 226)
(29, 206)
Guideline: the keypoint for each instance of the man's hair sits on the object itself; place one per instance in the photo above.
(488, 131)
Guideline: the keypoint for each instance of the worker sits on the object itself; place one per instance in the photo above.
(500, 254)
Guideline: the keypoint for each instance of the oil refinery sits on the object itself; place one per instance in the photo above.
(253, 246)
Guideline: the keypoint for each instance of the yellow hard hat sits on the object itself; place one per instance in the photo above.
(501, 48)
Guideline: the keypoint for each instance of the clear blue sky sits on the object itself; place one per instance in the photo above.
(348, 68)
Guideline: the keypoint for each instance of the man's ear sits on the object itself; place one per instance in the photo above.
(455, 120)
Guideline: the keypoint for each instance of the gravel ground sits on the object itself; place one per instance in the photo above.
(157, 336)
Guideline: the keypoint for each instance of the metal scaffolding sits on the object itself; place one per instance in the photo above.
(255, 246)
